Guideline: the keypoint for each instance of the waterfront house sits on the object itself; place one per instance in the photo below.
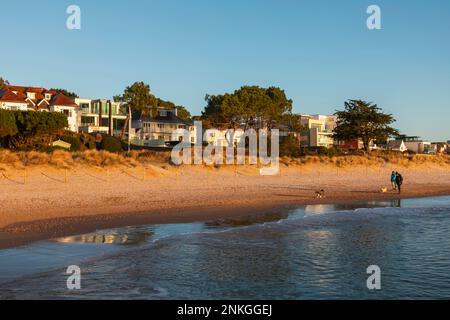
(415, 144)
(101, 115)
(159, 129)
(12, 101)
(397, 145)
(440, 147)
(39, 99)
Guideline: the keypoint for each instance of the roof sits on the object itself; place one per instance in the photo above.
(62, 100)
(170, 118)
(9, 96)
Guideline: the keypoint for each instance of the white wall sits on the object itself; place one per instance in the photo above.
(14, 106)
(72, 118)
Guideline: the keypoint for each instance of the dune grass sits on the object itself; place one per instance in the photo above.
(64, 159)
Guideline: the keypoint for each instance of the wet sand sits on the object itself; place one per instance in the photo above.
(44, 203)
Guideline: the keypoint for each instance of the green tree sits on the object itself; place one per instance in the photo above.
(3, 82)
(183, 113)
(8, 125)
(139, 97)
(249, 105)
(36, 128)
(69, 94)
(363, 120)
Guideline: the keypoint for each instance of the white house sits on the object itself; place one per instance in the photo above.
(397, 145)
(11, 101)
(39, 99)
(159, 129)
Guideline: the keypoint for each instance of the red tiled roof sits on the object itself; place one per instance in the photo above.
(9, 96)
(62, 100)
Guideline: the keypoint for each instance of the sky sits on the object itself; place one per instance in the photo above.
(320, 52)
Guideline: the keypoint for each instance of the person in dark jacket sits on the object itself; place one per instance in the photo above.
(399, 181)
(393, 182)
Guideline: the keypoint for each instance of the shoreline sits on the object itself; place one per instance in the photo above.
(48, 203)
(23, 233)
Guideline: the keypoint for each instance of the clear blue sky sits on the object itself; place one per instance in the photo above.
(320, 52)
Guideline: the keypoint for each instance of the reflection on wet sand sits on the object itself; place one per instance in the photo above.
(248, 220)
(127, 236)
(324, 208)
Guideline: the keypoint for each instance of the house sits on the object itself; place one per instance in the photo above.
(12, 101)
(157, 130)
(440, 147)
(39, 99)
(101, 115)
(317, 130)
(415, 144)
(397, 145)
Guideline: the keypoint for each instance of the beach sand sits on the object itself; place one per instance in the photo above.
(43, 202)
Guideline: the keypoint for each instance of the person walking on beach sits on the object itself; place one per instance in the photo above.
(399, 181)
(393, 180)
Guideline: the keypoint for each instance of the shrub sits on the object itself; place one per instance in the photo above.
(74, 141)
(290, 147)
(8, 125)
(111, 144)
(88, 141)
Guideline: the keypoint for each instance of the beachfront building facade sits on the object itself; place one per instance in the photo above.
(160, 129)
(397, 145)
(39, 99)
(415, 144)
(224, 137)
(317, 130)
(440, 147)
(101, 116)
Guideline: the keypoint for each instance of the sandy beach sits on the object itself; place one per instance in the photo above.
(43, 202)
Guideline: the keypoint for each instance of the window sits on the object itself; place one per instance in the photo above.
(163, 113)
(48, 96)
(160, 126)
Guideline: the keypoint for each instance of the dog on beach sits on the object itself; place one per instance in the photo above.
(320, 194)
(383, 190)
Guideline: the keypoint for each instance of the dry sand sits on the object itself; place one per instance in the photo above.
(43, 202)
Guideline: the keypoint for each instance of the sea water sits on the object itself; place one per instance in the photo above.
(312, 252)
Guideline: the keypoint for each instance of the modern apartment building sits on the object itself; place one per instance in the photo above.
(101, 115)
(317, 130)
(39, 99)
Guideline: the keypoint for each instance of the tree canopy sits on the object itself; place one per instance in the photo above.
(183, 113)
(363, 120)
(8, 125)
(250, 105)
(3, 82)
(138, 97)
(30, 128)
(67, 93)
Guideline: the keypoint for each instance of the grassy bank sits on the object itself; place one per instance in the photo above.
(65, 160)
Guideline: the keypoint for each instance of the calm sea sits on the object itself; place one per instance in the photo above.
(313, 252)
